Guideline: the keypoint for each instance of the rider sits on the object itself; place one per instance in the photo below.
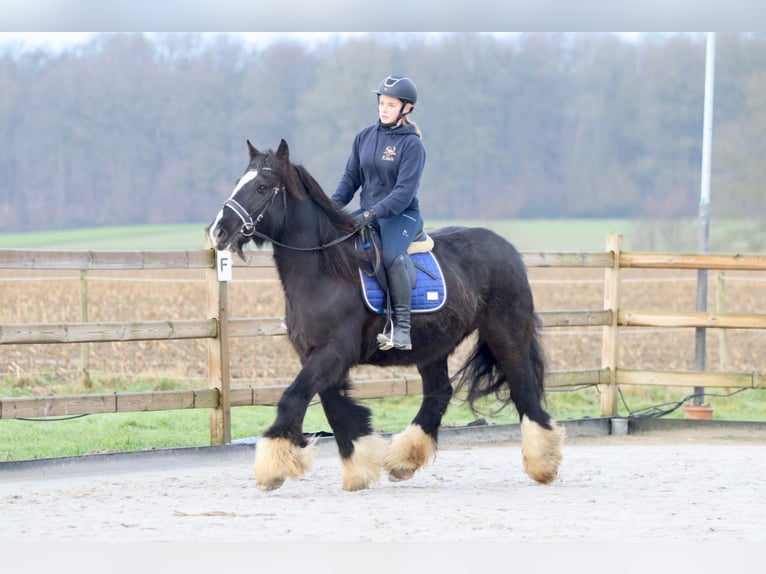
(386, 162)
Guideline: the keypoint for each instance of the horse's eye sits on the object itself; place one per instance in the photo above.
(262, 187)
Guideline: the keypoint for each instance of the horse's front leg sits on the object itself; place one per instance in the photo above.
(361, 451)
(415, 447)
(283, 451)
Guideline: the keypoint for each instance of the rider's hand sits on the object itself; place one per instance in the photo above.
(364, 218)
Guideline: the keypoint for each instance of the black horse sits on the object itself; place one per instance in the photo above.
(332, 330)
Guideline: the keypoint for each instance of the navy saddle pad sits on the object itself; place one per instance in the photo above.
(428, 295)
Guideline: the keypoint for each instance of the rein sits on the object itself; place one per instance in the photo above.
(248, 224)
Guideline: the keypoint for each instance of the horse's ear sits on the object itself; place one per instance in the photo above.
(253, 152)
(283, 153)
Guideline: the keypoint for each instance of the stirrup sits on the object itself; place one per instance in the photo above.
(386, 343)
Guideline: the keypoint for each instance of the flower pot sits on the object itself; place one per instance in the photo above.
(698, 412)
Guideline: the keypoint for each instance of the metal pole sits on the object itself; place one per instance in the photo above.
(703, 235)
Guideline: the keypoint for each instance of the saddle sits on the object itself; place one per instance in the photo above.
(429, 291)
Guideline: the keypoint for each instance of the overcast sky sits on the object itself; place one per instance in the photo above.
(314, 17)
(62, 40)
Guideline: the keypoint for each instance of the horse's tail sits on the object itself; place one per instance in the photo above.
(481, 375)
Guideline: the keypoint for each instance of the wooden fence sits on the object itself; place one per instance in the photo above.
(219, 326)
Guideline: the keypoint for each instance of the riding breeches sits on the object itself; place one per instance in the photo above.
(397, 233)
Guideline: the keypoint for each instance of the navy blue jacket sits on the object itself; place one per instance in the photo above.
(387, 164)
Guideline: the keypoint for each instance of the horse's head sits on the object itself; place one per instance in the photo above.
(257, 204)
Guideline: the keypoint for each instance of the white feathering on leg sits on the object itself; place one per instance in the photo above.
(365, 464)
(541, 450)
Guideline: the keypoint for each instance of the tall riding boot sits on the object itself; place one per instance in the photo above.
(400, 291)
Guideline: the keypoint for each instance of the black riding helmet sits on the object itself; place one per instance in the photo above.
(399, 87)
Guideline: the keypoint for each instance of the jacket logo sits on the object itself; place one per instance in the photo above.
(389, 154)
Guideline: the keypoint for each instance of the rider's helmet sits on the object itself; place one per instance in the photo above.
(399, 87)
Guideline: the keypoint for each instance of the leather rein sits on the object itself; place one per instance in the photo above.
(248, 223)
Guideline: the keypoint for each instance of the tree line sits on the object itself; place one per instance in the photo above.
(133, 129)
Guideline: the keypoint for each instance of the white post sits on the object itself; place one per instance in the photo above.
(704, 211)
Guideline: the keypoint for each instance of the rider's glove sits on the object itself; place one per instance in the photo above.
(364, 218)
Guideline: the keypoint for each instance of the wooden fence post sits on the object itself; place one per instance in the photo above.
(609, 341)
(218, 354)
(84, 347)
(720, 307)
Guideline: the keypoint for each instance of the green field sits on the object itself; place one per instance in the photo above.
(525, 234)
(122, 432)
(141, 237)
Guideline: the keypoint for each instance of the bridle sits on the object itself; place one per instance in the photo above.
(248, 223)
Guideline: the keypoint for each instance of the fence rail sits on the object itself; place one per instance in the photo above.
(219, 327)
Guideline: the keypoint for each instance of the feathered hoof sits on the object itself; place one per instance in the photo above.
(541, 450)
(398, 474)
(273, 484)
(410, 450)
(277, 459)
(363, 467)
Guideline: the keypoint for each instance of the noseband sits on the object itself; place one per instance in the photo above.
(248, 223)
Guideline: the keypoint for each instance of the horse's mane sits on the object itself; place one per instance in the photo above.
(342, 260)
(338, 219)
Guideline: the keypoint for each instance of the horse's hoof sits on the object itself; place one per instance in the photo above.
(279, 458)
(410, 450)
(541, 450)
(363, 467)
(271, 485)
(400, 474)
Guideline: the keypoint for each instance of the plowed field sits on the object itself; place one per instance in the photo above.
(54, 297)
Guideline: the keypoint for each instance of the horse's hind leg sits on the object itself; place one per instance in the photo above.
(416, 445)
(541, 448)
(361, 451)
(520, 358)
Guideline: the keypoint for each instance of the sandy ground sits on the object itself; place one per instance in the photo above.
(664, 487)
